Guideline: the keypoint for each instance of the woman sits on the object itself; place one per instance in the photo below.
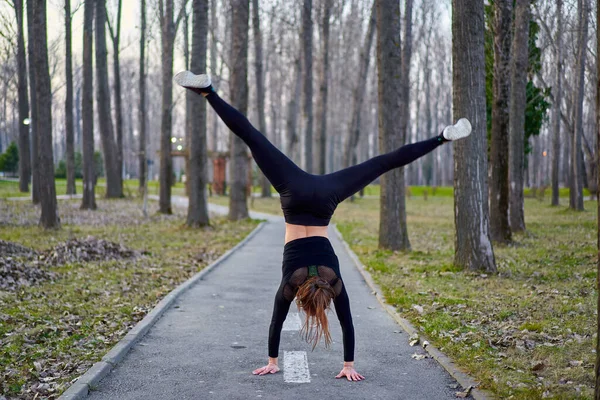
(311, 270)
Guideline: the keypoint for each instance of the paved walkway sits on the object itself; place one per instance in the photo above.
(207, 344)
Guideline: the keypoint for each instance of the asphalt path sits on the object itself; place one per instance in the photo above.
(207, 344)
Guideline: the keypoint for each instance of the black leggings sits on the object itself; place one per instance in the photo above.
(287, 178)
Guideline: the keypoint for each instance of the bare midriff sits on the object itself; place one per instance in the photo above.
(293, 232)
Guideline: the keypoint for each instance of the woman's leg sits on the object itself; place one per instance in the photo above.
(350, 180)
(276, 166)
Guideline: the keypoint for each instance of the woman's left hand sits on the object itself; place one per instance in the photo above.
(351, 374)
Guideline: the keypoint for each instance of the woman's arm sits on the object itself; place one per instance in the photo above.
(342, 309)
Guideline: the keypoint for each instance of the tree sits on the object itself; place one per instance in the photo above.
(87, 109)
(169, 25)
(260, 85)
(35, 178)
(198, 206)
(576, 181)
(49, 217)
(24, 156)
(9, 161)
(499, 189)
(558, 54)
(473, 246)
(114, 184)
(518, 102)
(597, 369)
(238, 208)
(142, 103)
(307, 36)
(321, 134)
(115, 35)
(69, 102)
(393, 234)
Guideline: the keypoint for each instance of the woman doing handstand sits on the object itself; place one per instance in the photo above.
(311, 271)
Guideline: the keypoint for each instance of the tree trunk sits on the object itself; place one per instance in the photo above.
(320, 137)
(349, 156)
(393, 234)
(238, 208)
(576, 186)
(214, 20)
(292, 111)
(558, 54)
(499, 188)
(473, 246)
(35, 170)
(198, 206)
(307, 36)
(24, 156)
(87, 109)
(518, 101)
(69, 103)
(49, 217)
(116, 39)
(113, 178)
(260, 87)
(597, 369)
(142, 104)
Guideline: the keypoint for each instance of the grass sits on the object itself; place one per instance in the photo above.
(529, 331)
(54, 332)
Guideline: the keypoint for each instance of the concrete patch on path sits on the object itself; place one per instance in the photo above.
(295, 367)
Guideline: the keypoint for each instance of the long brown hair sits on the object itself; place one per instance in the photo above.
(314, 297)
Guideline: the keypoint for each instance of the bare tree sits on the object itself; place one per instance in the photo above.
(115, 35)
(87, 109)
(597, 368)
(292, 110)
(70, 139)
(114, 184)
(473, 247)
(518, 102)
(307, 36)
(24, 156)
(49, 217)
(260, 86)
(320, 137)
(169, 25)
(558, 53)
(238, 207)
(142, 103)
(198, 206)
(576, 181)
(35, 171)
(499, 189)
(392, 229)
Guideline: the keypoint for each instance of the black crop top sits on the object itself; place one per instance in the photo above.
(309, 200)
(298, 255)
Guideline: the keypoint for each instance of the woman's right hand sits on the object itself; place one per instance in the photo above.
(270, 368)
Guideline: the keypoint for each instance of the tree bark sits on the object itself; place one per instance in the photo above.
(24, 150)
(142, 103)
(49, 217)
(558, 54)
(35, 171)
(321, 134)
(307, 36)
(238, 208)
(576, 181)
(260, 87)
(292, 111)
(198, 206)
(518, 101)
(114, 187)
(349, 157)
(473, 246)
(499, 188)
(597, 368)
(116, 39)
(87, 109)
(393, 234)
(69, 103)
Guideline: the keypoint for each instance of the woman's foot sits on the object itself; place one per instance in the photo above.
(200, 84)
(460, 130)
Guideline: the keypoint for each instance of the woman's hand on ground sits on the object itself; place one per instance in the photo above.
(350, 373)
(270, 368)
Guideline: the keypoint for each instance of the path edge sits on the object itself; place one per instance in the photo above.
(90, 379)
(446, 362)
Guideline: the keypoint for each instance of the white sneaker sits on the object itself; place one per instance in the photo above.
(189, 80)
(460, 130)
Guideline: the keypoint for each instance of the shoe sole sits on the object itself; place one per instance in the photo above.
(460, 130)
(190, 80)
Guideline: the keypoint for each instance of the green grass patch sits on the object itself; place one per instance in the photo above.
(53, 332)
